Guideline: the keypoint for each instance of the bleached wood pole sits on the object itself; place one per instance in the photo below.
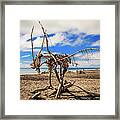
(32, 43)
(49, 76)
(60, 87)
(45, 35)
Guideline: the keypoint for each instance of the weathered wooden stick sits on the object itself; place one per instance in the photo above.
(32, 43)
(45, 35)
(35, 95)
(60, 84)
(69, 85)
(49, 77)
(57, 75)
(58, 91)
(80, 51)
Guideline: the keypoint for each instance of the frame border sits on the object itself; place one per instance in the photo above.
(2, 60)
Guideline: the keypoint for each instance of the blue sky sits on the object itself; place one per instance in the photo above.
(64, 37)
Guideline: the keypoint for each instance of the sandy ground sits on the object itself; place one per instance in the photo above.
(86, 86)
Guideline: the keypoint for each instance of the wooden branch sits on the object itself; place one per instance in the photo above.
(60, 84)
(80, 51)
(57, 75)
(69, 85)
(35, 96)
(32, 43)
(45, 35)
(49, 77)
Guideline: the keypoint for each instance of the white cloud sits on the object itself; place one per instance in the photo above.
(24, 56)
(25, 45)
(89, 26)
(56, 26)
(57, 38)
(97, 43)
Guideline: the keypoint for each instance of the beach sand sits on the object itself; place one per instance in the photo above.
(86, 86)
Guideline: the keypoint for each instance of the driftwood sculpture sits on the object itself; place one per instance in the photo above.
(53, 61)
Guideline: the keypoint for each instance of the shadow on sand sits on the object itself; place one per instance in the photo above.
(65, 94)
